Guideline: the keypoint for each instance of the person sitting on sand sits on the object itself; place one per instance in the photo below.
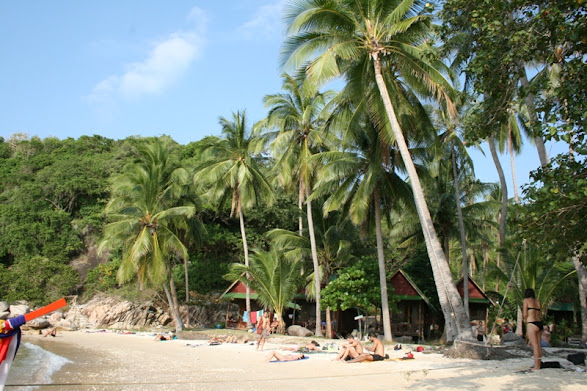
(52, 332)
(352, 349)
(480, 331)
(546, 335)
(375, 353)
(281, 357)
(309, 347)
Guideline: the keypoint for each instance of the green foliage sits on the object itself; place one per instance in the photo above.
(356, 286)
(103, 277)
(556, 210)
(275, 279)
(38, 280)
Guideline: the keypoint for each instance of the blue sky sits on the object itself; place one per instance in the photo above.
(123, 68)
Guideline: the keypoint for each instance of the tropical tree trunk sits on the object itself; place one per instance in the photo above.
(513, 165)
(316, 265)
(529, 99)
(461, 229)
(173, 308)
(582, 278)
(520, 322)
(456, 320)
(328, 323)
(246, 251)
(187, 281)
(300, 208)
(504, 200)
(385, 314)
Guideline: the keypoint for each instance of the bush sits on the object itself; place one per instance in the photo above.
(39, 280)
(103, 277)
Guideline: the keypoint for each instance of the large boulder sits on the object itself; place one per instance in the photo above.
(512, 339)
(66, 325)
(4, 306)
(19, 309)
(299, 331)
(4, 315)
(38, 323)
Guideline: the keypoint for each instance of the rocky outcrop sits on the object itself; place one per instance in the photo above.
(104, 311)
(299, 331)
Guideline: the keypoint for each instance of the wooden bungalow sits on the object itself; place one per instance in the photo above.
(479, 302)
(414, 312)
(236, 293)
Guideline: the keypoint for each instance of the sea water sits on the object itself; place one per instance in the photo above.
(32, 366)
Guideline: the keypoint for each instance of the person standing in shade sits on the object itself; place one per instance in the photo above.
(534, 325)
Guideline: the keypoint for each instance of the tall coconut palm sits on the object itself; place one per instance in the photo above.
(275, 279)
(379, 39)
(362, 182)
(451, 139)
(144, 207)
(233, 168)
(335, 236)
(298, 116)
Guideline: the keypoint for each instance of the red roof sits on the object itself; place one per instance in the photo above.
(401, 285)
(474, 291)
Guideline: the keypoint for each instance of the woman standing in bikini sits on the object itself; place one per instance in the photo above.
(534, 325)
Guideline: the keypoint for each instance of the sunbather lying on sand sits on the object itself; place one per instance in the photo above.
(309, 347)
(281, 357)
(229, 339)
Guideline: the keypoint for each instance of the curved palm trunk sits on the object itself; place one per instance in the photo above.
(542, 155)
(385, 314)
(456, 320)
(246, 251)
(504, 200)
(461, 229)
(513, 165)
(316, 266)
(174, 309)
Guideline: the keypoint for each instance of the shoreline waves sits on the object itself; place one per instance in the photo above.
(112, 361)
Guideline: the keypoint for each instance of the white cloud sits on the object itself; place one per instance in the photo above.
(266, 22)
(167, 61)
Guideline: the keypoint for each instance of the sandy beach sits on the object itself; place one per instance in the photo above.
(113, 361)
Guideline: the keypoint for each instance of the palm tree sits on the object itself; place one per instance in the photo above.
(335, 236)
(275, 279)
(531, 269)
(233, 167)
(379, 39)
(144, 207)
(457, 148)
(298, 117)
(361, 180)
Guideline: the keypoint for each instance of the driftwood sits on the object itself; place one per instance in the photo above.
(480, 351)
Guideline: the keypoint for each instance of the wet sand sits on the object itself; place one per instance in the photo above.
(112, 361)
